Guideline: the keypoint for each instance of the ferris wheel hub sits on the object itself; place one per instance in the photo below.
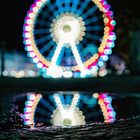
(66, 117)
(68, 28)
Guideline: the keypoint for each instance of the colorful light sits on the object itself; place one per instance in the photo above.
(66, 112)
(98, 58)
(108, 112)
(30, 106)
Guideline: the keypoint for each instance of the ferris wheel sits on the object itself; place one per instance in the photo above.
(69, 38)
(67, 109)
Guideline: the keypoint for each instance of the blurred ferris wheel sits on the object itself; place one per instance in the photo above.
(68, 38)
(64, 108)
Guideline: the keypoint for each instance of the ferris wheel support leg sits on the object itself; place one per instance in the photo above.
(53, 66)
(74, 101)
(78, 60)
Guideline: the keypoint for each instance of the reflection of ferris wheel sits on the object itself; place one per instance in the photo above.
(67, 109)
(65, 36)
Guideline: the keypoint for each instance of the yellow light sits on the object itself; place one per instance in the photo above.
(100, 49)
(106, 20)
(106, 29)
(96, 95)
(101, 102)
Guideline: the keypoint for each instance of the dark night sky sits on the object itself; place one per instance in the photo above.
(14, 12)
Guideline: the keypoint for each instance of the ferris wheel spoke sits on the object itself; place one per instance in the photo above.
(43, 23)
(91, 11)
(85, 41)
(92, 36)
(59, 6)
(80, 47)
(74, 102)
(41, 31)
(50, 55)
(47, 47)
(91, 20)
(67, 5)
(51, 98)
(44, 15)
(83, 7)
(43, 112)
(47, 105)
(58, 102)
(43, 39)
(91, 49)
(94, 28)
(51, 8)
(75, 5)
(68, 99)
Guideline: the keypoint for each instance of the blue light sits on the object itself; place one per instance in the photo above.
(91, 20)
(51, 8)
(91, 102)
(31, 97)
(27, 103)
(89, 12)
(108, 51)
(104, 57)
(59, 5)
(47, 105)
(35, 60)
(39, 65)
(109, 106)
(111, 44)
(41, 31)
(27, 123)
(108, 99)
(112, 113)
(91, 48)
(100, 63)
(27, 109)
(82, 7)
(43, 39)
(47, 46)
(74, 6)
(112, 37)
(113, 22)
(31, 54)
(61, 96)
(94, 28)
(94, 68)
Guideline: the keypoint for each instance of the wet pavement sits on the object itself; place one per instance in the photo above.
(120, 130)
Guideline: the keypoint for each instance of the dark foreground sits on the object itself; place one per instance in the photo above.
(120, 130)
